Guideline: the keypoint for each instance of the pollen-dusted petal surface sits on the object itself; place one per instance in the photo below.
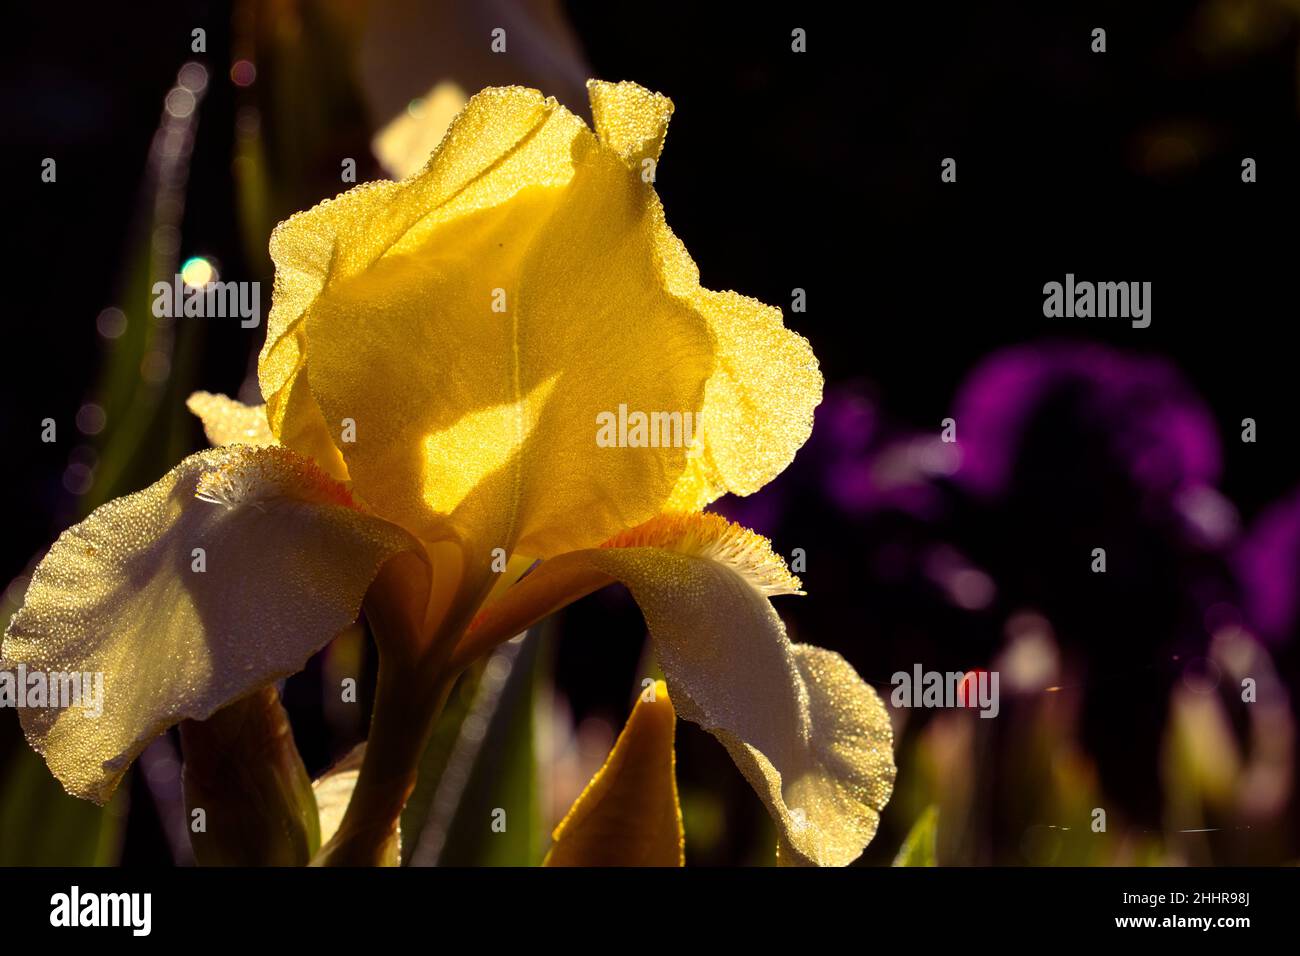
(495, 333)
(758, 404)
(630, 119)
(228, 422)
(811, 737)
(296, 420)
(343, 237)
(225, 575)
(628, 815)
(479, 320)
(715, 538)
(765, 384)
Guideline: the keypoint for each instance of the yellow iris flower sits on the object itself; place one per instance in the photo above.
(439, 354)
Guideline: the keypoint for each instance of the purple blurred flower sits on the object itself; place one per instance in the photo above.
(1138, 411)
(858, 462)
(1060, 448)
(868, 465)
(1268, 566)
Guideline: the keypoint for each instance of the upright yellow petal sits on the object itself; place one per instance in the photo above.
(812, 738)
(229, 422)
(343, 237)
(514, 318)
(765, 384)
(630, 119)
(628, 815)
(758, 404)
(479, 320)
(296, 420)
(225, 575)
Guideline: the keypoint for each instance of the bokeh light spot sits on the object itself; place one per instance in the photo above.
(180, 102)
(197, 272)
(243, 73)
(91, 419)
(193, 76)
(111, 322)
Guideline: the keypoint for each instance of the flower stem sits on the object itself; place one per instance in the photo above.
(415, 678)
(406, 708)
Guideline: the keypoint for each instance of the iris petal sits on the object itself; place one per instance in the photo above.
(811, 737)
(223, 576)
(476, 320)
(229, 422)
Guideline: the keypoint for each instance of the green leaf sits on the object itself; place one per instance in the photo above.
(40, 825)
(445, 744)
(485, 809)
(918, 848)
